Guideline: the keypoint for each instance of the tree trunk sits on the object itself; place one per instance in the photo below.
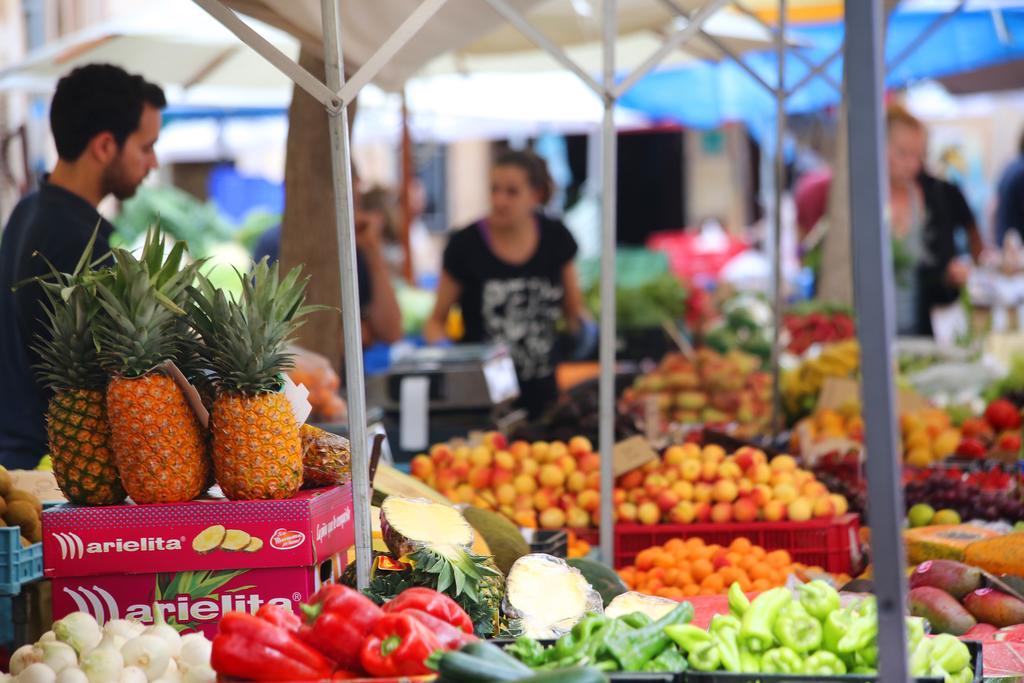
(835, 278)
(308, 232)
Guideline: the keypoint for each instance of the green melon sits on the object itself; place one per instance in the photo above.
(504, 539)
(604, 579)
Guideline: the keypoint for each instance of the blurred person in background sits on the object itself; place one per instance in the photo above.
(924, 214)
(513, 276)
(1010, 197)
(105, 123)
(378, 305)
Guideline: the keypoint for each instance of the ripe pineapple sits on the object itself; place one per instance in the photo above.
(158, 443)
(257, 452)
(76, 418)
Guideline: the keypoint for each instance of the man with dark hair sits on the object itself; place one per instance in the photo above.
(1010, 206)
(105, 123)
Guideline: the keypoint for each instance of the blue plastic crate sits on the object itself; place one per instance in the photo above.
(18, 565)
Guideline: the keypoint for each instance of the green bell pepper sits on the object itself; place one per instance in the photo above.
(705, 657)
(636, 620)
(528, 651)
(950, 653)
(724, 622)
(824, 663)
(781, 660)
(800, 633)
(688, 636)
(819, 599)
(915, 632)
(726, 630)
(635, 648)
(749, 662)
(756, 630)
(671, 660)
(920, 660)
(965, 676)
(862, 632)
(836, 626)
(867, 656)
(738, 601)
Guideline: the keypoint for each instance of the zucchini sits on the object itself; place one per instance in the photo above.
(581, 674)
(465, 668)
(484, 650)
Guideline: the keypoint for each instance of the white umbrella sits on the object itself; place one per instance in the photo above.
(171, 42)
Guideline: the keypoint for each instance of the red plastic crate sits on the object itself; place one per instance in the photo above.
(831, 544)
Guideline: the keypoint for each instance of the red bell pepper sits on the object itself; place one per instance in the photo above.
(433, 603)
(338, 621)
(451, 638)
(250, 648)
(279, 616)
(399, 646)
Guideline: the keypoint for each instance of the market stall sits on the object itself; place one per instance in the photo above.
(434, 576)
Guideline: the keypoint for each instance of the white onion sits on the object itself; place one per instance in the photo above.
(79, 630)
(200, 674)
(133, 674)
(37, 673)
(195, 653)
(72, 675)
(149, 653)
(24, 657)
(161, 629)
(58, 656)
(124, 628)
(48, 637)
(103, 664)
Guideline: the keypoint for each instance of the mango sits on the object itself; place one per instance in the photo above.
(941, 609)
(995, 607)
(956, 578)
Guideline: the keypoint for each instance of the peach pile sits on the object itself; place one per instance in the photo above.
(547, 485)
(693, 484)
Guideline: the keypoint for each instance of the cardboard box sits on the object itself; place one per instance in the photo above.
(195, 560)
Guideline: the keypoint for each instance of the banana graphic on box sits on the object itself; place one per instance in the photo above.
(217, 537)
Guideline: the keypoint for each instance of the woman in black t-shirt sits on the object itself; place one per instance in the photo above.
(513, 276)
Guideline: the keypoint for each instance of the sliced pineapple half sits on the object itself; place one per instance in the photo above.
(631, 601)
(545, 597)
(410, 524)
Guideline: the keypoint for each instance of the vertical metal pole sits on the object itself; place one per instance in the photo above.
(780, 187)
(873, 298)
(341, 167)
(606, 411)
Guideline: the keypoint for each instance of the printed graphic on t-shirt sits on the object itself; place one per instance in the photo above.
(521, 312)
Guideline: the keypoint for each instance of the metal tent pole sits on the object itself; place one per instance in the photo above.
(873, 298)
(341, 168)
(780, 188)
(609, 187)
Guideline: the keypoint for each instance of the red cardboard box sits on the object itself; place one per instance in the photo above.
(195, 560)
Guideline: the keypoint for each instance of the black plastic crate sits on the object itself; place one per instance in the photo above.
(551, 541)
(726, 677)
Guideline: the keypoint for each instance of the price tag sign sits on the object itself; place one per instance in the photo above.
(634, 452)
(502, 382)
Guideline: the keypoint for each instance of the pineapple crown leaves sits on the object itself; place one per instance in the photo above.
(244, 340)
(69, 356)
(142, 301)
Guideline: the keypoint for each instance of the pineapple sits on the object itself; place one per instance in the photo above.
(437, 540)
(158, 442)
(76, 418)
(326, 457)
(257, 451)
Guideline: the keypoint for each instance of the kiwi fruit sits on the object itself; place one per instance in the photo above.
(6, 483)
(34, 533)
(3, 507)
(21, 513)
(19, 494)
